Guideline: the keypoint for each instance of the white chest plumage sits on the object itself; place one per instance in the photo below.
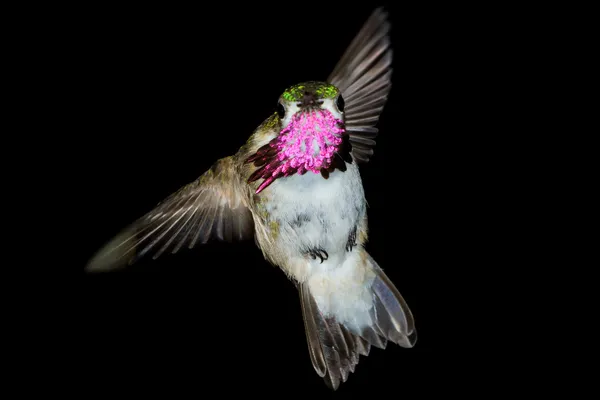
(313, 213)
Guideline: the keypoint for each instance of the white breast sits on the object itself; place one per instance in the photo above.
(316, 213)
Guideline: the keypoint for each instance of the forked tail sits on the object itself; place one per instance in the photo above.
(335, 342)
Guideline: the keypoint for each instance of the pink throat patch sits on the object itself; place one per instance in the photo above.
(308, 143)
(296, 143)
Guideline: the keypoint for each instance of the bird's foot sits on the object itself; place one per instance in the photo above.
(322, 254)
(351, 240)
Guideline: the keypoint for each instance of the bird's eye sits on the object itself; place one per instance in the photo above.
(340, 103)
(280, 110)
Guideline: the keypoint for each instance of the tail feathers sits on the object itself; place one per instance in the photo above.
(335, 347)
(334, 351)
(393, 318)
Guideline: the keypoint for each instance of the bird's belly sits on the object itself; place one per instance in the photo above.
(308, 213)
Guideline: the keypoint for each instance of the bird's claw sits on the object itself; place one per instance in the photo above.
(351, 240)
(322, 254)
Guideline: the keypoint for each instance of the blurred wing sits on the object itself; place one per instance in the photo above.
(363, 76)
(209, 208)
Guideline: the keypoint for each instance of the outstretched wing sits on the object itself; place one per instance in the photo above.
(209, 208)
(363, 75)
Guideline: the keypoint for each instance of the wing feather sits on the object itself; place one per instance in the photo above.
(363, 75)
(209, 208)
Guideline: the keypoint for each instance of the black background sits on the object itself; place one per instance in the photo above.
(155, 95)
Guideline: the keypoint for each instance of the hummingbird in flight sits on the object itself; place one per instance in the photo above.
(295, 188)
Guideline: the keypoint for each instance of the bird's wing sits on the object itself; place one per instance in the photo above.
(363, 75)
(209, 208)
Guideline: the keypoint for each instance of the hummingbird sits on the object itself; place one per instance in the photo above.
(296, 189)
